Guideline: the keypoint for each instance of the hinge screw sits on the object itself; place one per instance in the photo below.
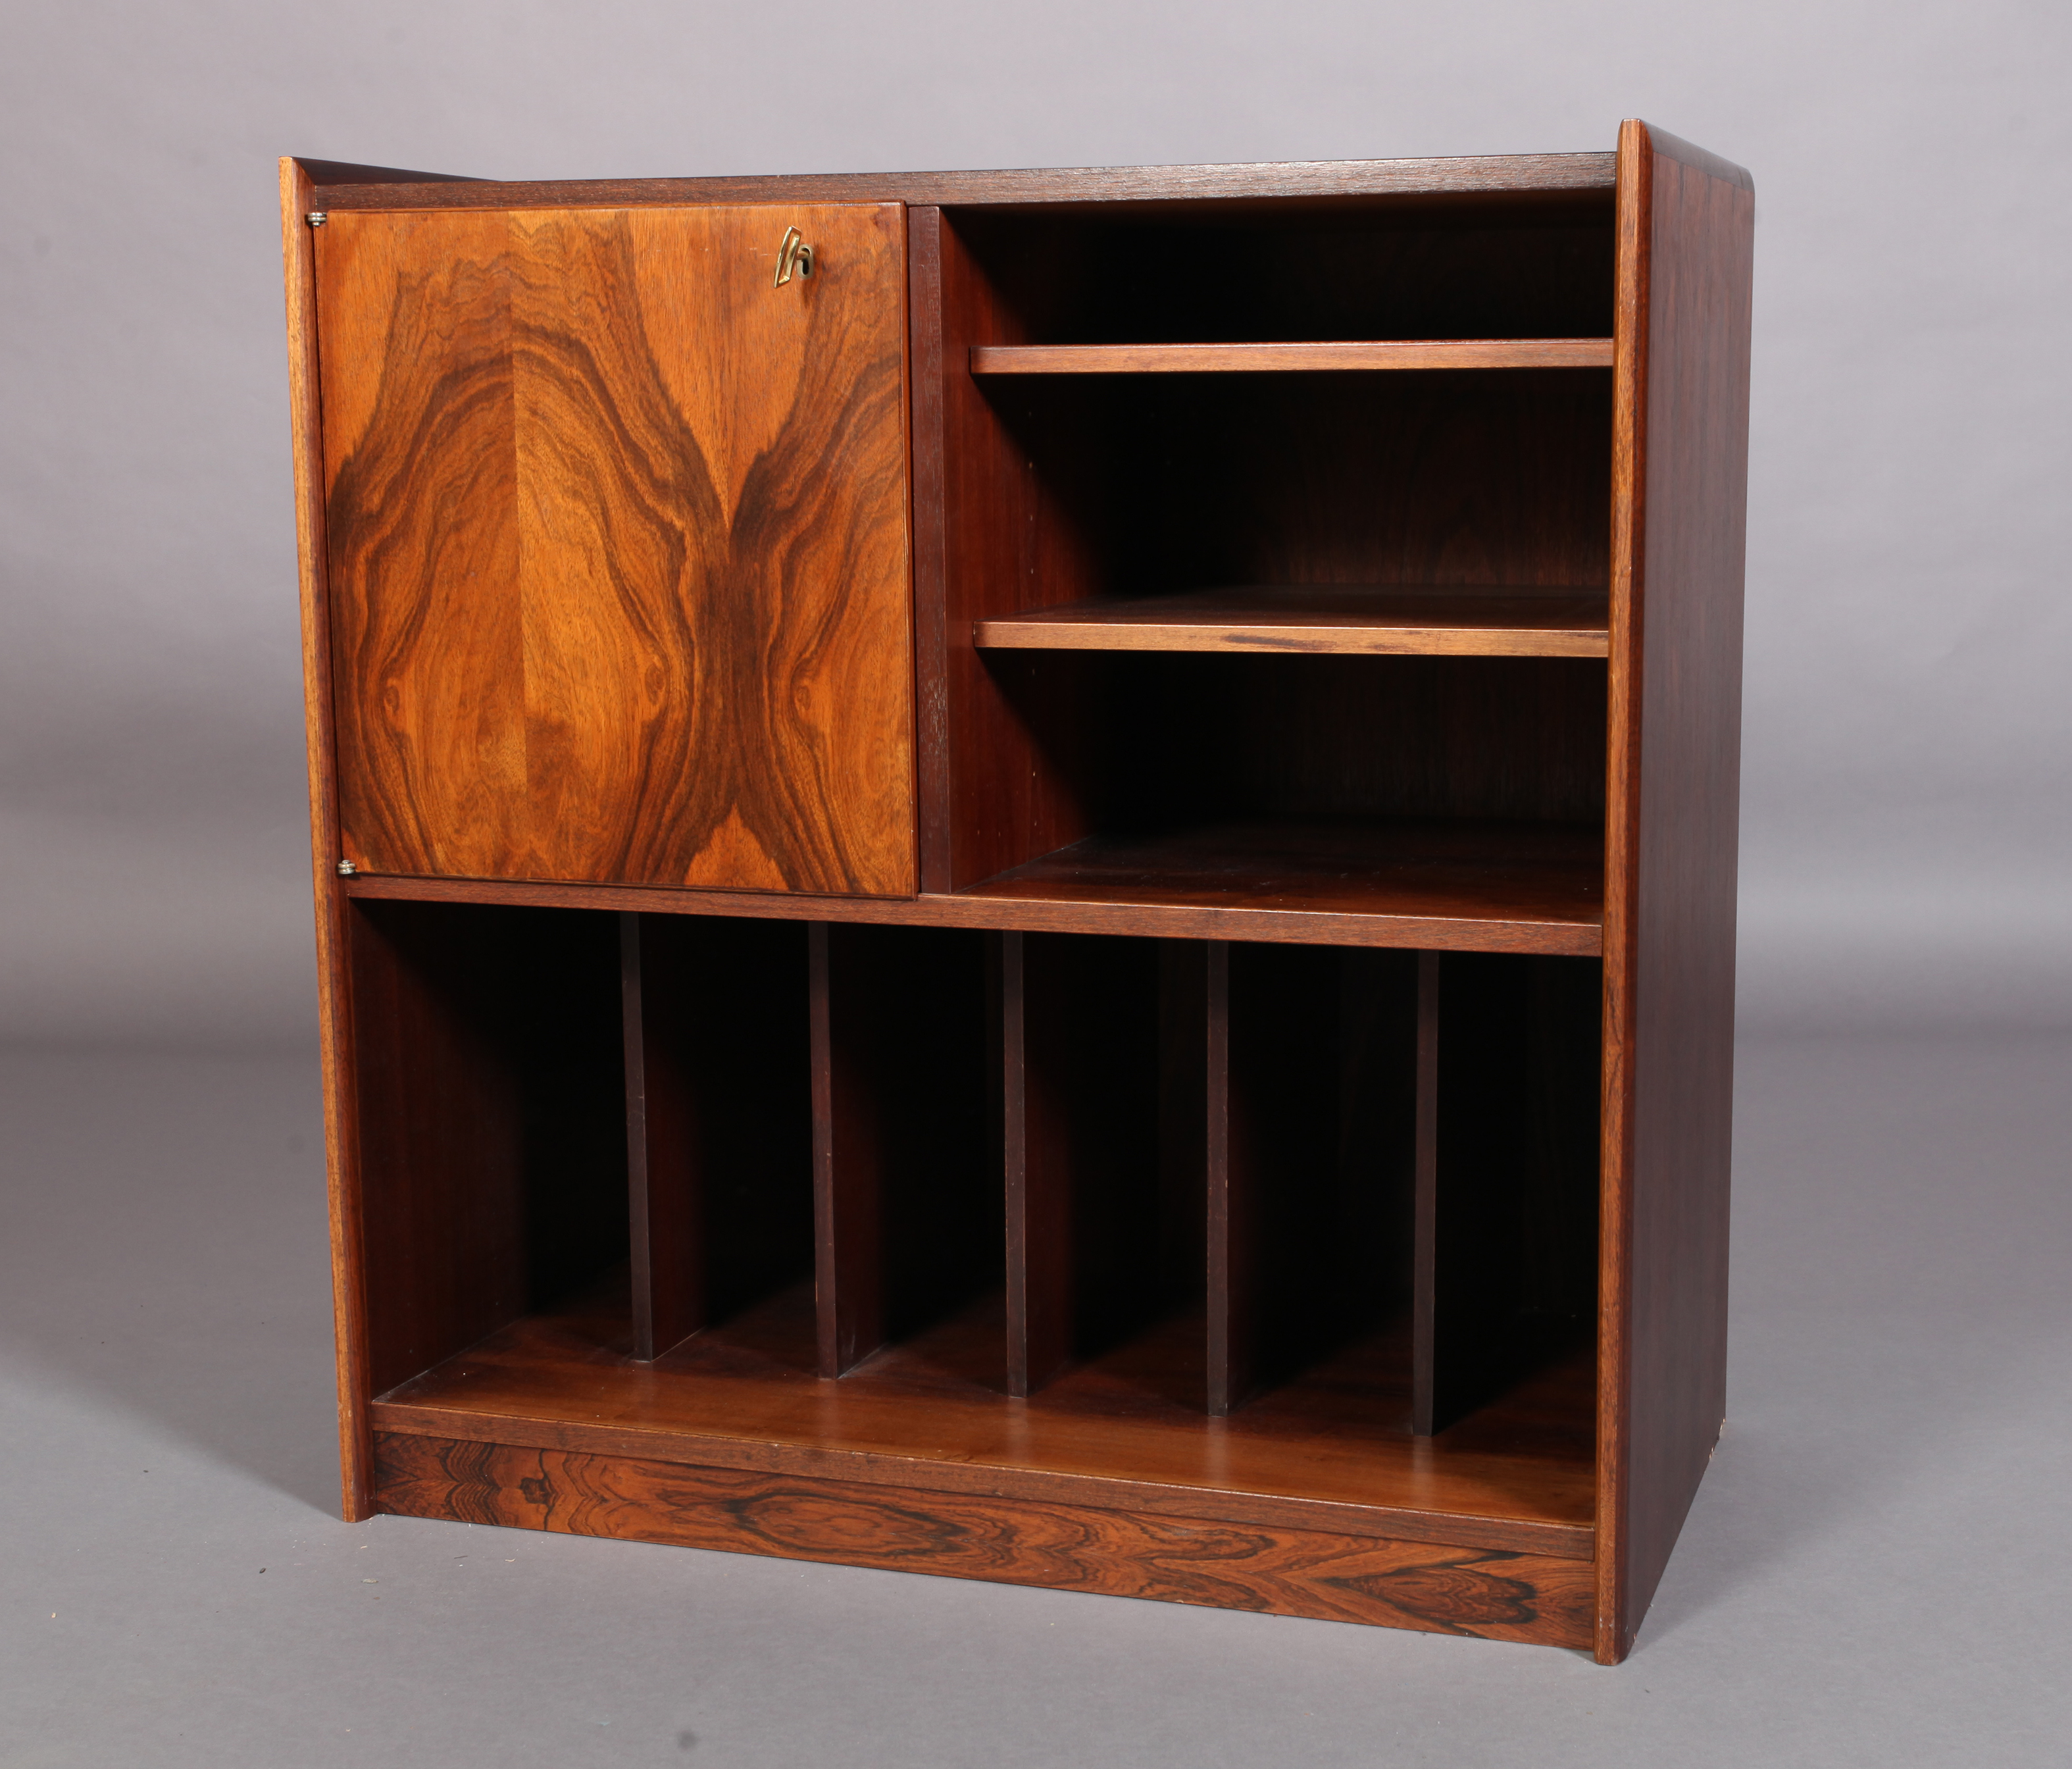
(346, 869)
(316, 218)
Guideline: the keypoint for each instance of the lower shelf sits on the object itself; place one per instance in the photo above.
(1329, 1450)
(1522, 886)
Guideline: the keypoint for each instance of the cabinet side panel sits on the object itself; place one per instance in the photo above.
(334, 992)
(1675, 785)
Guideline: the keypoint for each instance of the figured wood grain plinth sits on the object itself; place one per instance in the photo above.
(1490, 1593)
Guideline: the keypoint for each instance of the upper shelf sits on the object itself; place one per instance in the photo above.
(1286, 359)
(1389, 619)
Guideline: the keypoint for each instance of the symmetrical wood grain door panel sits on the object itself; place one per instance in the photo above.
(618, 531)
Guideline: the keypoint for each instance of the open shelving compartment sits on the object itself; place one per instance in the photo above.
(1224, 621)
(1222, 1228)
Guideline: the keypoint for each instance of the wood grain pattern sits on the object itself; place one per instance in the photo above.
(1337, 356)
(1431, 620)
(930, 388)
(1469, 178)
(333, 909)
(618, 536)
(1443, 1590)
(1685, 233)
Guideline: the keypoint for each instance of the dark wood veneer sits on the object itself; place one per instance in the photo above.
(1686, 229)
(333, 925)
(1426, 620)
(1339, 357)
(1499, 178)
(603, 608)
(1497, 1594)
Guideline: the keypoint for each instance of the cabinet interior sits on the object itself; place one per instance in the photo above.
(1509, 264)
(596, 1191)
(1320, 603)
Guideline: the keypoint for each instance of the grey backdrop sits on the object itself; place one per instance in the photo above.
(1873, 1573)
(1909, 728)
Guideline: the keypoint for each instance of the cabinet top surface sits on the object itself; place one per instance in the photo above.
(1513, 177)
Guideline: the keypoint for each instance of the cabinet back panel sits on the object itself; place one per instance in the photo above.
(1449, 476)
(718, 1105)
(1321, 1073)
(619, 559)
(1508, 1206)
(910, 1151)
(1135, 486)
(1423, 271)
(492, 1127)
(1164, 740)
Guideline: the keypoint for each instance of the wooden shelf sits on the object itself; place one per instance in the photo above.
(1336, 357)
(1331, 1450)
(1383, 619)
(1517, 887)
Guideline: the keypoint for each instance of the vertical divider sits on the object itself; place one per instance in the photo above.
(1199, 1111)
(848, 1263)
(1233, 1325)
(1425, 1259)
(664, 1218)
(1037, 1177)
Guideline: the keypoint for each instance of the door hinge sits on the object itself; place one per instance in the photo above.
(316, 218)
(347, 868)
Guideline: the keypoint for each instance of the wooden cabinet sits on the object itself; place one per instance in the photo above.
(1030, 875)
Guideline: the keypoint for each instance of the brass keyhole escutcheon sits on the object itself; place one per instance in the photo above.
(793, 255)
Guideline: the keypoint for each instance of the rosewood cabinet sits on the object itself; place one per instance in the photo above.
(1030, 875)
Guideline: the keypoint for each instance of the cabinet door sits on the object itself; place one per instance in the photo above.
(619, 579)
